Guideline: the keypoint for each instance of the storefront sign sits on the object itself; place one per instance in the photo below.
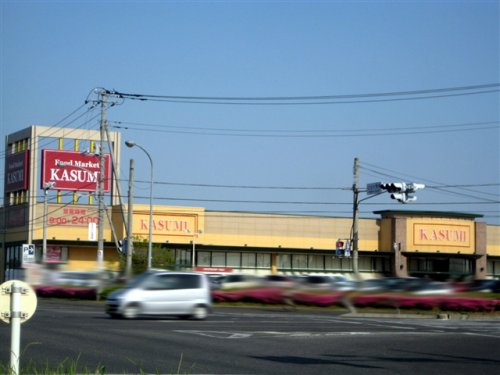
(54, 254)
(442, 235)
(74, 216)
(71, 170)
(166, 224)
(16, 171)
(214, 269)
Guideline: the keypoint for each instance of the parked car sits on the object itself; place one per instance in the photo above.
(183, 294)
(279, 281)
(435, 287)
(240, 281)
(372, 285)
(85, 279)
(341, 283)
(316, 282)
(486, 286)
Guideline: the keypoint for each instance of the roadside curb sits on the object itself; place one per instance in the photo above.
(441, 316)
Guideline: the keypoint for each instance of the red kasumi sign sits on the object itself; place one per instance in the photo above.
(71, 170)
(16, 171)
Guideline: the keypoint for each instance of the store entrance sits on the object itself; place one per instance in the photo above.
(440, 268)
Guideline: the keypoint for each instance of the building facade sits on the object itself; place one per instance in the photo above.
(53, 225)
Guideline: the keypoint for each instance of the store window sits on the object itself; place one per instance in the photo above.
(284, 261)
(333, 263)
(264, 261)
(183, 257)
(346, 264)
(493, 267)
(248, 260)
(233, 260)
(365, 264)
(218, 259)
(204, 258)
(316, 262)
(299, 262)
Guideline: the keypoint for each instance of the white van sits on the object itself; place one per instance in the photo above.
(184, 294)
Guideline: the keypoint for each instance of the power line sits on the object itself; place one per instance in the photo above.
(290, 187)
(311, 133)
(307, 203)
(440, 186)
(315, 99)
(245, 186)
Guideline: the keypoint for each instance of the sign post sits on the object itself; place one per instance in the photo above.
(17, 304)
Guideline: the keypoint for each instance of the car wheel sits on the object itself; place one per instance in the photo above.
(200, 313)
(131, 311)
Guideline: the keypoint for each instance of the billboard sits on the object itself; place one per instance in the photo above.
(16, 171)
(74, 171)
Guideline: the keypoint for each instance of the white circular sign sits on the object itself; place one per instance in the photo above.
(28, 300)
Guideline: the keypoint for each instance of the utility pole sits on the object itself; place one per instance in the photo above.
(355, 214)
(130, 244)
(46, 187)
(100, 190)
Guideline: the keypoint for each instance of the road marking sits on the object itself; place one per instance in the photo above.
(246, 335)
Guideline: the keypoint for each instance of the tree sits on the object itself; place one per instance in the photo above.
(161, 258)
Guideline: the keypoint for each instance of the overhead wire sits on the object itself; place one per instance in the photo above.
(439, 187)
(316, 99)
(311, 133)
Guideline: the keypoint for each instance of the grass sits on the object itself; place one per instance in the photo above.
(70, 367)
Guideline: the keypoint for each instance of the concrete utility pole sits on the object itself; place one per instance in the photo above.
(100, 192)
(355, 213)
(130, 243)
(46, 187)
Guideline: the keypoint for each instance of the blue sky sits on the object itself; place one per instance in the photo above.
(242, 157)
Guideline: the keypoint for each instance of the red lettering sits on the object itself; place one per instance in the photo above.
(161, 225)
(423, 235)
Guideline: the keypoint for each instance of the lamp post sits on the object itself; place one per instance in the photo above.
(46, 187)
(150, 244)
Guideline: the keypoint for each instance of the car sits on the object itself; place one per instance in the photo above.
(84, 279)
(341, 283)
(240, 281)
(435, 288)
(182, 294)
(316, 282)
(486, 286)
(279, 281)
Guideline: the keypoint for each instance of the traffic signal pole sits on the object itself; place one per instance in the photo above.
(355, 220)
(401, 191)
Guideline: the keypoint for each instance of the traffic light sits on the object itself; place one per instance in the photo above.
(123, 246)
(393, 187)
(401, 191)
(339, 248)
(412, 187)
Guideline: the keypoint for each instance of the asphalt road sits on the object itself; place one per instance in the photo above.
(252, 341)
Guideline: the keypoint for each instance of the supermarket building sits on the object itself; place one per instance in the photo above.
(441, 245)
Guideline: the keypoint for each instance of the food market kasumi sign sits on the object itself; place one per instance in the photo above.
(74, 171)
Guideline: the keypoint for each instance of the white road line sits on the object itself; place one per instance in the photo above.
(246, 335)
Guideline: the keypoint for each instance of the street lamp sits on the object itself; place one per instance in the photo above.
(150, 244)
(46, 187)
